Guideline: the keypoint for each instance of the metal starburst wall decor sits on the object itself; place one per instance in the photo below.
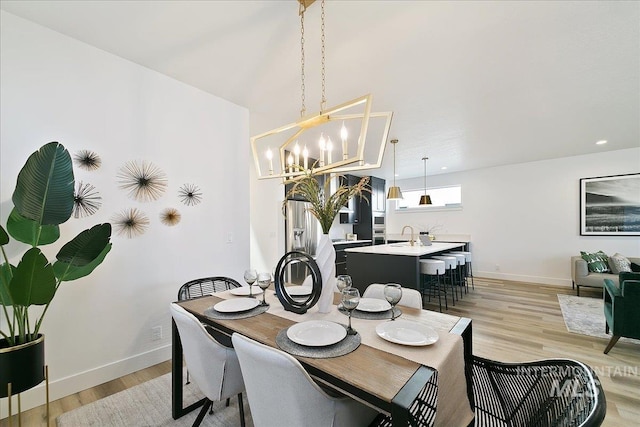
(131, 223)
(170, 216)
(143, 181)
(190, 194)
(88, 160)
(86, 201)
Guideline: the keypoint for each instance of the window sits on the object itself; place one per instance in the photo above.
(442, 198)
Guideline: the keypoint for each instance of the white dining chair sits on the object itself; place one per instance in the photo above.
(214, 368)
(281, 392)
(410, 297)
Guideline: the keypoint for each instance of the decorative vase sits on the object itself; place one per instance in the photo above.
(21, 365)
(326, 260)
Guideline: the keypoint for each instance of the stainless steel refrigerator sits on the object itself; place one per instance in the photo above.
(302, 234)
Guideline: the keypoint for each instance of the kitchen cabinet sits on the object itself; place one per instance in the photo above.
(341, 256)
(371, 212)
(378, 196)
(350, 213)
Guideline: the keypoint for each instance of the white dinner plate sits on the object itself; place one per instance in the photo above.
(316, 333)
(236, 305)
(299, 291)
(407, 333)
(244, 290)
(373, 305)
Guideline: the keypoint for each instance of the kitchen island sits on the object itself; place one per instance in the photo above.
(391, 263)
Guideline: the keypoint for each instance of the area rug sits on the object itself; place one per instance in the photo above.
(149, 404)
(585, 316)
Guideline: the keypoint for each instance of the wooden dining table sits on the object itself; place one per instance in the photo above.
(383, 380)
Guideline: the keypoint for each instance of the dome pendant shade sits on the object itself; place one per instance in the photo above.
(425, 199)
(394, 193)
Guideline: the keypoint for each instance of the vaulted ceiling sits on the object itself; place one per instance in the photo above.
(471, 84)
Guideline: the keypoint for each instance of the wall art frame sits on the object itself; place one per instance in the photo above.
(610, 205)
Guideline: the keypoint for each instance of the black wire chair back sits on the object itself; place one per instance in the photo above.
(206, 286)
(552, 392)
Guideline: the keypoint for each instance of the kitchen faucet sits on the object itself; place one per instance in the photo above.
(412, 241)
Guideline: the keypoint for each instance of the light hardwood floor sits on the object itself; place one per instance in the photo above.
(512, 322)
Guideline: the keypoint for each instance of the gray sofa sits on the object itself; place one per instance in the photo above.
(581, 276)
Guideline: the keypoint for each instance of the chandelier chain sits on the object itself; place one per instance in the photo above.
(303, 109)
(323, 102)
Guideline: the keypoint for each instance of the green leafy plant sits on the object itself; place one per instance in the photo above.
(324, 204)
(43, 199)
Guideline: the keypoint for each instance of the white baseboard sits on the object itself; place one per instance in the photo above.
(522, 278)
(83, 380)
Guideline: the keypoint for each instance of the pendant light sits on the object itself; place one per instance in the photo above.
(394, 192)
(425, 199)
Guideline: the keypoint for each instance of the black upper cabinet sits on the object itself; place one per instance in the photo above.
(350, 213)
(359, 209)
(378, 197)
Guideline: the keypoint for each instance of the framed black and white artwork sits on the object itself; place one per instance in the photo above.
(610, 205)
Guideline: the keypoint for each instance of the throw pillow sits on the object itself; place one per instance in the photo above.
(635, 267)
(597, 262)
(619, 263)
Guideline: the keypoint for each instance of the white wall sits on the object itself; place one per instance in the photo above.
(54, 88)
(524, 219)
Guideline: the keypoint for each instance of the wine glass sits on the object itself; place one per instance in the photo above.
(343, 281)
(393, 294)
(264, 281)
(250, 276)
(350, 300)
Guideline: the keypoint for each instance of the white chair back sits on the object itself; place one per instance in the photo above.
(214, 368)
(410, 297)
(281, 393)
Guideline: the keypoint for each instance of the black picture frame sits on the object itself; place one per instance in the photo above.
(610, 205)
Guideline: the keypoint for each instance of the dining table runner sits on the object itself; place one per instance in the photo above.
(445, 356)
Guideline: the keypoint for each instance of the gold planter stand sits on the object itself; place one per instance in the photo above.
(19, 413)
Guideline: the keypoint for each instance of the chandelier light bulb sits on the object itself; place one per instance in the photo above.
(343, 136)
(270, 158)
(323, 145)
(296, 152)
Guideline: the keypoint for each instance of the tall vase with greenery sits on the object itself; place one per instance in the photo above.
(325, 206)
(43, 199)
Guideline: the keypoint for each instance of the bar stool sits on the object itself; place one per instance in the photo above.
(451, 263)
(460, 273)
(468, 267)
(430, 271)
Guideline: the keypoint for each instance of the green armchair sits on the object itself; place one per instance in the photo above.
(621, 308)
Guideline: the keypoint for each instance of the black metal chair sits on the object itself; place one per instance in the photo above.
(552, 392)
(205, 286)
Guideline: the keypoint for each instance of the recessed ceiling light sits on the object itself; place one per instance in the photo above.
(443, 168)
(601, 142)
(397, 174)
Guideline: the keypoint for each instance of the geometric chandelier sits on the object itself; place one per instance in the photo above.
(346, 138)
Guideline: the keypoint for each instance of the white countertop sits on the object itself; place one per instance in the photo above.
(404, 249)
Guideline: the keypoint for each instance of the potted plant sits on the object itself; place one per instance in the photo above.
(325, 206)
(43, 199)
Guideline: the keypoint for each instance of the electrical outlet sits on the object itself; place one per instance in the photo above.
(497, 267)
(156, 333)
(229, 237)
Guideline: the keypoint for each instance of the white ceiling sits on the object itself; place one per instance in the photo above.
(471, 84)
